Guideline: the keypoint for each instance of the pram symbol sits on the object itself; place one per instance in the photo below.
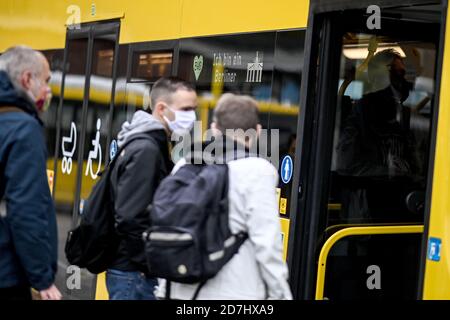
(66, 164)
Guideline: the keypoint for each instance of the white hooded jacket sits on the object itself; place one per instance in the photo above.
(257, 271)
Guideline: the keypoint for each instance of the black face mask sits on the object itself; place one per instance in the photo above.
(406, 88)
(403, 86)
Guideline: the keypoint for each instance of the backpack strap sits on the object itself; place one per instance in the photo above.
(168, 286)
(197, 291)
(132, 138)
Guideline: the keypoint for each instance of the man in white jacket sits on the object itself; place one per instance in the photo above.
(257, 271)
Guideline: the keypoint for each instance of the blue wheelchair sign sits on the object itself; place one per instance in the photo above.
(286, 169)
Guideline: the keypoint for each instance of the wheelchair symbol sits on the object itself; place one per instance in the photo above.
(95, 154)
(66, 164)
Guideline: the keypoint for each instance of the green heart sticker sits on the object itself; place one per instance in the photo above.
(198, 66)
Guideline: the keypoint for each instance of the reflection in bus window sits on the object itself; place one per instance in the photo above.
(266, 66)
(150, 66)
(382, 128)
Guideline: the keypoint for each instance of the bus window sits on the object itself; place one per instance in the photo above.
(266, 66)
(150, 66)
(241, 64)
(382, 129)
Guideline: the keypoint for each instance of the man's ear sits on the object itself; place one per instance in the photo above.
(258, 129)
(215, 130)
(159, 109)
(25, 80)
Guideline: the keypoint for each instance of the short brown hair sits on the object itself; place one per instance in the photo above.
(236, 112)
(381, 60)
(164, 88)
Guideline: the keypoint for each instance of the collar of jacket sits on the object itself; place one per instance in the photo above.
(10, 97)
(219, 150)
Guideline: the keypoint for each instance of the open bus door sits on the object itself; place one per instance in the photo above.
(365, 157)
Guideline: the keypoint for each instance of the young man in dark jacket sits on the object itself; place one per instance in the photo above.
(137, 173)
(28, 235)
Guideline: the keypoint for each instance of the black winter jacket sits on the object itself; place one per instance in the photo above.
(137, 173)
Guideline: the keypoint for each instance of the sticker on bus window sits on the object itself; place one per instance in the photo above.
(278, 192)
(112, 150)
(287, 166)
(283, 205)
(434, 249)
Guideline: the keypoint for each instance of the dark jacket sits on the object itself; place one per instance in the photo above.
(137, 173)
(373, 142)
(28, 234)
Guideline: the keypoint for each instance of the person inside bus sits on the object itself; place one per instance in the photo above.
(377, 160)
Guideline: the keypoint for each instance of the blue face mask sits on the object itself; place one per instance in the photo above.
(183, 122)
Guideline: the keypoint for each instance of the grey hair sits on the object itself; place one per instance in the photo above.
(16, 60)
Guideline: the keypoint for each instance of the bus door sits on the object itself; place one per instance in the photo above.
(369, 98)
(83, 134)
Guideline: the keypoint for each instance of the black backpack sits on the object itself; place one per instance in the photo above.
(189, 240)
(93, 243)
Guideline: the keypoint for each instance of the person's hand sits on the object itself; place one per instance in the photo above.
(51, 293)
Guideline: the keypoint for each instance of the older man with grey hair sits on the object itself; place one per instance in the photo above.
(28, 234)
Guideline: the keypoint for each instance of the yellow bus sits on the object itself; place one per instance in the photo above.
(105, 56)
(346, 235)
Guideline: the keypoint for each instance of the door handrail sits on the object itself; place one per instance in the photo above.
(354, 231)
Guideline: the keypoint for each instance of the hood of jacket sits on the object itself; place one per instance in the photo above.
(141, 122)
(11, 97)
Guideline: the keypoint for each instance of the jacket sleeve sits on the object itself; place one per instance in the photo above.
(134, 192)
(30, 210)
(265, 232)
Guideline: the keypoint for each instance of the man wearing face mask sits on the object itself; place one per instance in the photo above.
(377, 148)
(28, 234)
(141, 166)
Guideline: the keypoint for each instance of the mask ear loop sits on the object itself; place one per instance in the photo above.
(30, 92)
(168, 121)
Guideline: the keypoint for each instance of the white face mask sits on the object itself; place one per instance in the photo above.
(184, 121)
